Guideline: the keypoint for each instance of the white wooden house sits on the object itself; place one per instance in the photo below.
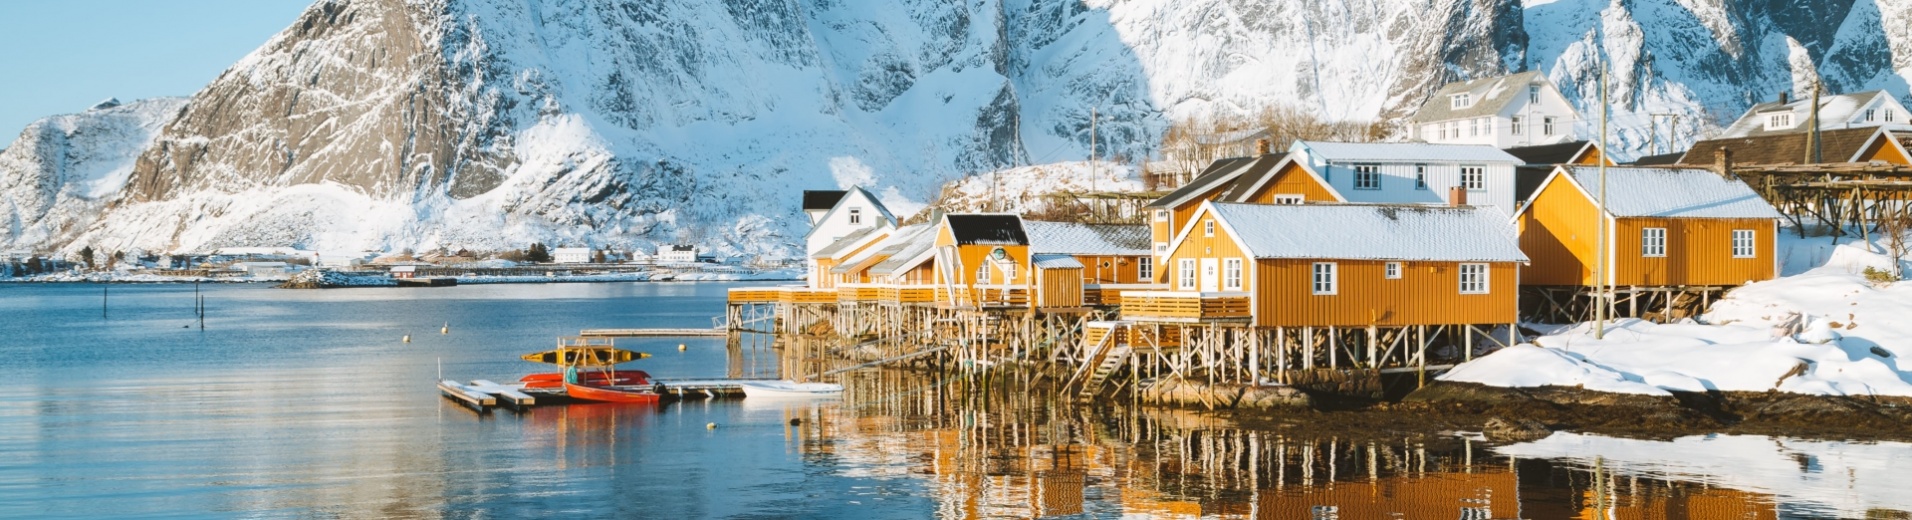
(571, 255)
(1838, 112)
(676, 253)
(1521, 109)
(856, 210)
(1412, 173)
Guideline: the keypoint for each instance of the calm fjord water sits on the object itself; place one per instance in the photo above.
(308, 404)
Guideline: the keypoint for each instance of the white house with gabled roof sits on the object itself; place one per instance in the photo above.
(1412, 173)
(1836, 112)
(856, 210)
(1522, 109)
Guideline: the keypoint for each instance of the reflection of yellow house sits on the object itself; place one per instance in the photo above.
(1681, 503)
(1487, 494)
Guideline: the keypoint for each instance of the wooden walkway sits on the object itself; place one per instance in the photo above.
(651, 333)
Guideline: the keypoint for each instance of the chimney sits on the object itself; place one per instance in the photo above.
(1457, 196)
(1261, 147)
(1723, 162)
(1785, 97)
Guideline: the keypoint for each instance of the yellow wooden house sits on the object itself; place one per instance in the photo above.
(982, 260)
(1666, 227)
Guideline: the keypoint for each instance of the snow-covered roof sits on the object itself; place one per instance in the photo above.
(1373, 232)
(1403, 152)
(1670, 192)
(888, 246)
(847, 243)
(1070, 238)
(918, 240)
(1489, 96)
(1056, 262)
(1835, 112)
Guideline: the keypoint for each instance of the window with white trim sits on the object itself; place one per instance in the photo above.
(1145, 268)
(1161, 215)
(856, 215)
(1888, 115)
(1533, 93)
(1473, 127)
(1420, 176)
(1161, 248)
(1516, 125)
(982, 274)
(1289, 199)
(1394, 271)
(1743, 243)
(1186, 281)
(1779, 121)
(1871, 114)
(1474, 178)
(1473, 278)
(1653, 242)
(1231, 274)
(1324, 279)
(1008, 272)
(1367, 176)
(1208, 227)
(1462, 100)
(1546, 126)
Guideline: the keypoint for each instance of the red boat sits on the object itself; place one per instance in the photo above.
(590, 377)
(612, 393)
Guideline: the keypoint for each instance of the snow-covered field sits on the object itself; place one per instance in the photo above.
(1854, 335)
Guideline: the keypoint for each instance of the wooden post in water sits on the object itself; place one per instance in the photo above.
(103, 300)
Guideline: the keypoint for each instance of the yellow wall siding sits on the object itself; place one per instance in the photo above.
(1698, 252)
(1059, 288)
(1882, 151)
(823, 278)
(1294, 181)
(1118, 269)
(971, 256)
(1428, 293)
(1591, 157)
(1198, 246)
(1558, 234)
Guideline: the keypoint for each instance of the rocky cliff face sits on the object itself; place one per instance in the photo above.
(488, 124)
(57, 175)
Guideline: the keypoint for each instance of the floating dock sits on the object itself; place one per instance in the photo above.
(483, 395)
(426, 282)
(651, 333)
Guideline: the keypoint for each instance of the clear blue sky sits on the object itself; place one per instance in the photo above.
(61, 56)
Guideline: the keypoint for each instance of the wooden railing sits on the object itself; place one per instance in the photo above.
(1183, 306)
(753, 295)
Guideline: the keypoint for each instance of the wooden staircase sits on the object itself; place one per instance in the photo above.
(1105, 359)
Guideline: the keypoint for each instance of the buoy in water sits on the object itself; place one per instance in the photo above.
(711, 426)
(408, 338)
(446, 329)
(681, 347)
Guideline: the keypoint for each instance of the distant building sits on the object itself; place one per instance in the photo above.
(676, 253)
(571, 255)
(260, 268)
(404, 271)
(1837, 112)
(1522, 109)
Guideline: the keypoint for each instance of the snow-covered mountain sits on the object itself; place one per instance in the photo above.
(56, 177)
(489, 124)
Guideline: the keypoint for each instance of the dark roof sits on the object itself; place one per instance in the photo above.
(821, 200)
(1549, 154)
(1665, 159)
(1214, 176)
(987, 229)
(683, 248)
(1527, 179)
(1835, 146)
(1263, 166)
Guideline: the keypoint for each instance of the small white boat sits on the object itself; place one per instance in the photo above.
(790, 389)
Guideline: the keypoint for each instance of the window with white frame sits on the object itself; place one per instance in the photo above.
(1367, 176)
(1516, 125)
(1231, 274)
(1533, 93)
(1208, 227)
(1420, 176)
(1394, 270)
(1289, 199)
(1779, 121)
(1145, 268)
(1161, 215)
(1454, 129)
(1653, 242)
(1161, 248)
(1473, 278)
(1546, 126)
(1474, 178)
(982, 274)
(1871, 114)
(1324, 279)
(1461, 100)
(1473, 127)
(1008, 272)
(1888, 115)
(856, 215)
(1743, 243)
(1186, 268)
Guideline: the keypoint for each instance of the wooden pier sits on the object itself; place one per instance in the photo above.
(426, 282)
(651, 333)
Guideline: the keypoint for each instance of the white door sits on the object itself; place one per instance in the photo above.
(1211, 275)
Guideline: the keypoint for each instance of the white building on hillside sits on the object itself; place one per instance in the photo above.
(1414, 173)
(571, 255)
(1522, 109)
(676, 253)
(855, 211)
(1864, 109)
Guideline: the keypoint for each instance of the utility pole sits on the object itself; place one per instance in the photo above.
(1600, 215)
(1812, 132)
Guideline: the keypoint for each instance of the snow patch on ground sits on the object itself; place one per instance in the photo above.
(1851, 341)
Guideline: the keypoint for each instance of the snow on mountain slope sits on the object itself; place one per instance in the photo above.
(56, 175)
(489, 124)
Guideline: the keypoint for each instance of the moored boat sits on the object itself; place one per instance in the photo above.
(790, 389)
(612, 393)
(589, 377)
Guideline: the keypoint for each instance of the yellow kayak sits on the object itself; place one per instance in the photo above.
(584, 356)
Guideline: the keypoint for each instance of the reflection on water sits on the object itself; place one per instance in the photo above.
(302, 403)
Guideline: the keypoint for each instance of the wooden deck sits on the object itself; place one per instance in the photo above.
(651, 333)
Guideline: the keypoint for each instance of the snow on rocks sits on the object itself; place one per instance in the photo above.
(1821, 329)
